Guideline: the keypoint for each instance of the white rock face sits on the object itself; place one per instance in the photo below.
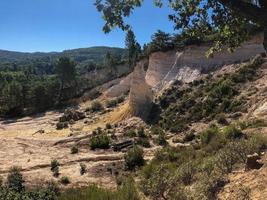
(141, 96)
(121, 88)
(166, 67)
(190, 63)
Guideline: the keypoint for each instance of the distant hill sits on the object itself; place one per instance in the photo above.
(92, 54)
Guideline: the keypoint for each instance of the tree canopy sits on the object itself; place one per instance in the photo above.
(231, 22)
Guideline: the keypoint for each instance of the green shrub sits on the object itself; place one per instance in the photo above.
(62, 125)
(101, 141)
(82, 169)
(74, 150)
(232, 132)
(15, 180)
(207, 135)
(130, 133)
(134, 158)
(186, 173)
(96, 106)
(111, 103)
(120, 99)
(108, 126)
(141, 132)
(65, 180)
(55, 168)
(127, 191)
(156, 130)
(144, 142)
(161, 140)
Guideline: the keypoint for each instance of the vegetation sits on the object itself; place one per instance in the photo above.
(101, 141)
(45, 81)
(133, 48)
(14, 188)
(229, 22)
(82, 168)
(74, 150)
(206, 100)
(55, 168)
(127, 190)
(205, 165)
(134, 158)
(96, 106)
(64, 180)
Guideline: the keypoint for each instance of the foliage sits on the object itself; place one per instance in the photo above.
(55, 167)
(205, 101)
(134, 158)
(126, 191)
(14, 189)
(133, 48)
(229, 22)
(62, 125)
(64, 180)
(82, 168)
(101, 141)
(96, 106)
(15, 180)
(74, 150)
(33, 85)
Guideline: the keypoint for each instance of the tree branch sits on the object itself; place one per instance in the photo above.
(247, 10)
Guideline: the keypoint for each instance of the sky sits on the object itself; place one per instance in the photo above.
(56, 25)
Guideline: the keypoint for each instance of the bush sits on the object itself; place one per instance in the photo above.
(186, 173)
(231, 132)
(134, 158)
(15, 180)
(130, 133)
(74, 150)
(127, 191)
(221, 119)
(96, 106)
(207, 135)
(121, 99)
(82, 169)
(55, 168)
(65, 180)
(111, 103)
(101, 141)
(161, 140)
(141, 132)
(108, 126)
(62, 125)
(156, 130)
(144, 142)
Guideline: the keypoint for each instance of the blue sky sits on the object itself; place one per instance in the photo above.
(55, 25)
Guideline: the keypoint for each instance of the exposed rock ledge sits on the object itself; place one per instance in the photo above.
(190, 63)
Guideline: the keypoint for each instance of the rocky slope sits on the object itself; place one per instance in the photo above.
(186, 66)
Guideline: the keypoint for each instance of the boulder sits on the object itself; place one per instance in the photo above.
(71, 114)
(252, 162)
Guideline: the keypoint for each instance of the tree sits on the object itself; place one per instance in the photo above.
(15, 180)
(66, 72)
(132, 47)
(161, 41)
(230, 21)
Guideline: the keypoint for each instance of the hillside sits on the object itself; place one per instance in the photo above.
(92, 54)
(180, 126)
